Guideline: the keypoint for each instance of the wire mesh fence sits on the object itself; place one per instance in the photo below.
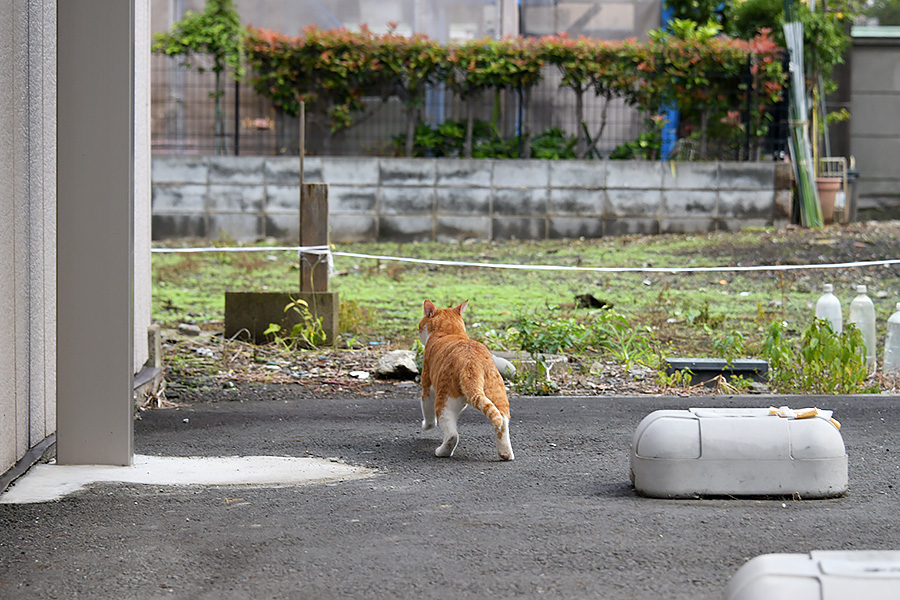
(544, 119)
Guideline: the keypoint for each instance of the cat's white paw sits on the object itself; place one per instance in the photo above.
(506, 453)
(426, 425)
(446, 449)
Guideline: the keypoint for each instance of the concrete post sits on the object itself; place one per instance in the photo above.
(95, 234)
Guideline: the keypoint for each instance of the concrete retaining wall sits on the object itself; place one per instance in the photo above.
(398, 199)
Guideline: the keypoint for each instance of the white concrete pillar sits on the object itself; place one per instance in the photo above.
(95, 260)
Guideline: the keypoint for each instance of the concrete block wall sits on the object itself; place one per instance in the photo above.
(399, 199)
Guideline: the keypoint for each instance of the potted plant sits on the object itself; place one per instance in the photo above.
(824, 42)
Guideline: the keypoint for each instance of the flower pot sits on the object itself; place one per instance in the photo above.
(828, 188)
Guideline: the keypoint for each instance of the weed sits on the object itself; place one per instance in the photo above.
(728, 345)
(307, 332)
(536, 381)
(825, 363)
(680, 379)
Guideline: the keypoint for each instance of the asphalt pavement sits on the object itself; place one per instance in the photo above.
(561, 521)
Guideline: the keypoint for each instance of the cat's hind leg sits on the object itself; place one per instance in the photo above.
(504, 448)
(447, 420)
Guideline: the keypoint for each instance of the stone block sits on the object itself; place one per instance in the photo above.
(738, 224)
(746, 176)
(313, 171)
(520, 228)
(689, 203)
(407, 200)
(575, 227)
(747, 204)
(690, 176)
(284, 227)
(784, 176)
(613, 227)
(521, 173)
(687, 225)
(406, 171)
(342, 170)
(467, 173)
(406, 229)
(634, 174)
(168, 227)
(581, 174)
(236, 198)
(462, 201)
(237, 170)
(353, 228)
(179, 169)
(633, 203)
(178, 198)
(448, 229)
(283, 199)
(283, 170)
(784, 204)
(240, 228)
(349, 199)
(253, 312)
(574, 201)
(520, 201)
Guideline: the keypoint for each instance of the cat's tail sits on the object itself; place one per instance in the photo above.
(473, 388)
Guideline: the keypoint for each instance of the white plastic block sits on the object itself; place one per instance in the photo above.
(840, 575)
(737, 452)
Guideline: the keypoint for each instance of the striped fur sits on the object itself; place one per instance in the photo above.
(458, 371)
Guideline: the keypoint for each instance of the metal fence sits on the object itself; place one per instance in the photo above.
(184, 122)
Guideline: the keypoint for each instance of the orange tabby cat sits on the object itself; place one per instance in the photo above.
(458, 371)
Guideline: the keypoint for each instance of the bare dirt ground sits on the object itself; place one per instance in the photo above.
(206, 367)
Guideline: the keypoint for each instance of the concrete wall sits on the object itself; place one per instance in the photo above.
(27, 226)
(397, 199)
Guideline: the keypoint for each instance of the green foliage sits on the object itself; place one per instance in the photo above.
(215, 32)
(729, 344)
(535, 382)
(886, 11)
(553, 144)
(333, 70)
(824, 37)
(646, 146)
(699, 11)
(448, 140)
(607, 333)
(307, 332)
(825, 363)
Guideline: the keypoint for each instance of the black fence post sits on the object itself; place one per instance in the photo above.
(747, 107)
(237, 117)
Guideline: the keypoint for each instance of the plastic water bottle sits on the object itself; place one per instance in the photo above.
(892, 343)
(828, 308)
(862, 313)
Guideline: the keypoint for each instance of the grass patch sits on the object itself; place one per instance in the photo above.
(688, 314)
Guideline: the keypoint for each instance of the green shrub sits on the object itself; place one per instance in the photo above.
(825, 363)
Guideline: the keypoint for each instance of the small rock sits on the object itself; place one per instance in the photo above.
(398, 364)
(359, 374)
(187, 329)
(506, 368)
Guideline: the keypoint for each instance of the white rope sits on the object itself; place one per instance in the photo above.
(324, 250)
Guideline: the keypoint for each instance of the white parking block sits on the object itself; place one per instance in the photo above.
(737, 452)
(840, 575)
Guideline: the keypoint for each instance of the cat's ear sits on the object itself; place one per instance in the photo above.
(459, 309)
(429, 308)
